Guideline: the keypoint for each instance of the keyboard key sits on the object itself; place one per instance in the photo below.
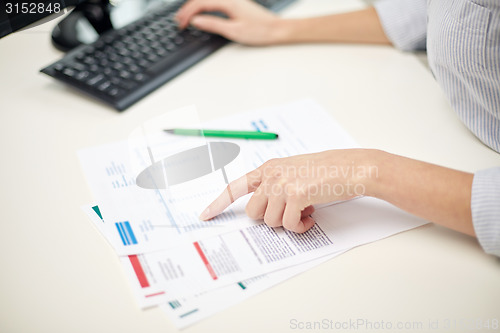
(128, 61)
(115, 80)
(104, 62)
(150, 37)
(134, 69)
(89, 60)
(108, 38)
(113, 57)
(133, 47)
(115, 92)
(107, 71)
(146, 50)
(93, 68)
(119, 45)
(80, 56)
(152, 57)
(69, 72)
(143, 63)
(140, 77)
(59, 67)
(123, 52)
(118, 66)
(99, 44)
(161, 52)
(81, 76)
(104, 86)
(95, 80)
(89, 50)
(128, 85)
(125, 75)
(136, 55)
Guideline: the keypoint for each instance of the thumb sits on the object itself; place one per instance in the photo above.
(213, 24)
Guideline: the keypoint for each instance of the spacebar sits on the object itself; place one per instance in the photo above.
(174, 59)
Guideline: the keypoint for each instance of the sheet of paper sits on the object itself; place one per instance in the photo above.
(185, 311)
(258, 249)
(146, 220)
(222, 260)
(353, 223)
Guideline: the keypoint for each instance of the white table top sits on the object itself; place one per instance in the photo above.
(59, 275)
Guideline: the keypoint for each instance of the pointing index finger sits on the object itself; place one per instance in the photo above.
(236, 189)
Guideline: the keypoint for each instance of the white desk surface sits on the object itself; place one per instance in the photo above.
(59, 275)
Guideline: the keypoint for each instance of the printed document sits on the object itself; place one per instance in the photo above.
(185, 265)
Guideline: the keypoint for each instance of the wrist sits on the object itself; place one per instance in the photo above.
(356, 171)
(283, 31)
(374, 163)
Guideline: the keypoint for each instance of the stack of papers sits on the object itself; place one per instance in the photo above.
(193, 269)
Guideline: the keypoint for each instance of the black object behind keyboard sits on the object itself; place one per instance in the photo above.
(124, 65)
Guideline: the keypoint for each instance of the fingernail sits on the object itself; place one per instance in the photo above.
(205, 215)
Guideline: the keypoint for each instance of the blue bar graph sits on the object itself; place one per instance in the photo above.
(126, 233)
(130, 232)
(121, 234)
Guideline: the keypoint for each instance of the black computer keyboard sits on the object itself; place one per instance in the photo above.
(126, 64)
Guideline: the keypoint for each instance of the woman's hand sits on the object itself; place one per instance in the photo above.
(286, 188)
(251, 24)
(247, 22)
